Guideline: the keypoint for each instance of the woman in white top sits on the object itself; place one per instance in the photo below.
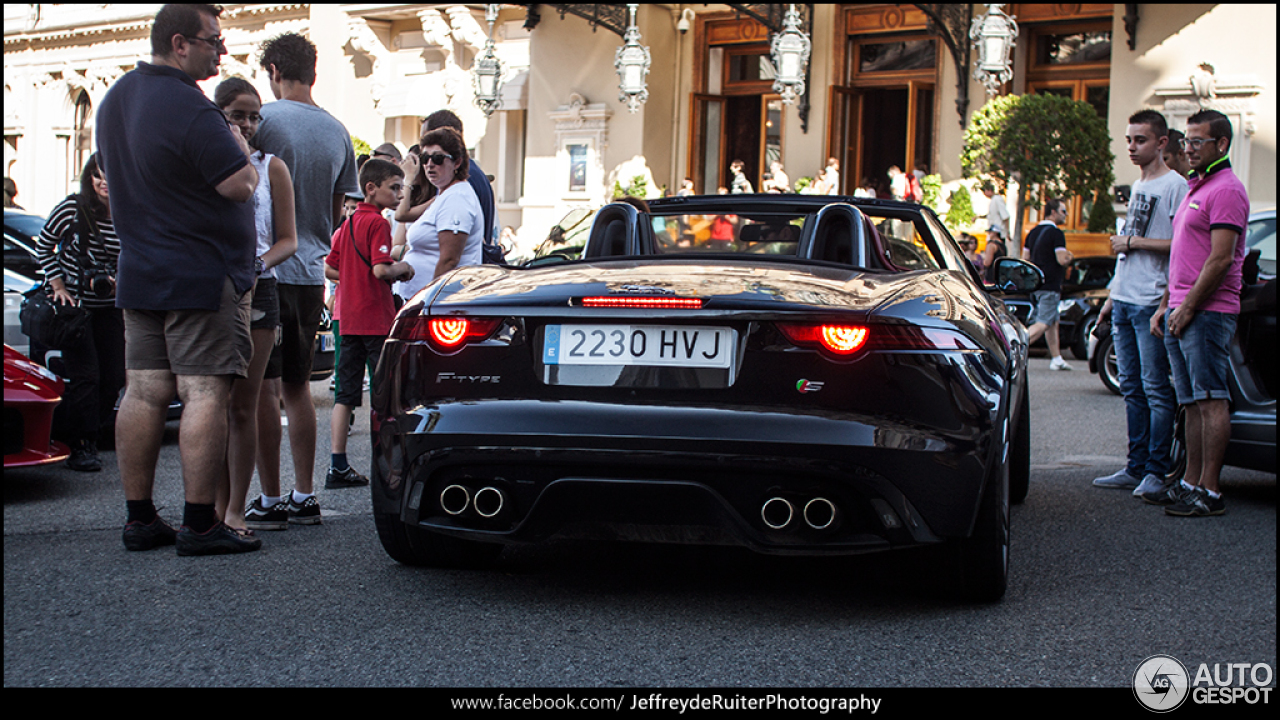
(450, 233)
(277, 240)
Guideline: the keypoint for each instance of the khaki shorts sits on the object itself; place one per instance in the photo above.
(192, 342)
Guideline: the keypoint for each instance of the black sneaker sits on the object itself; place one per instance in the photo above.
(259, 517)
(345, 478)
(1197, 504)
(139, 536)
(305, 513)
(84, 457)
(1170, 495)
(219, 540)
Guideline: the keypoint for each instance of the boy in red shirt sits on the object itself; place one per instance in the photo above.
(360, 261)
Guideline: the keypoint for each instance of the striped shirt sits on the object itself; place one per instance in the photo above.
(61, 259)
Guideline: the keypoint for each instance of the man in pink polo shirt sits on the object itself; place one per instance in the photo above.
(1203, 300)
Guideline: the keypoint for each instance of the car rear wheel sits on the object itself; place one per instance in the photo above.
(982, 560)
(1108, 370)
(1080, 348)
(414, 546)
(1020, 452)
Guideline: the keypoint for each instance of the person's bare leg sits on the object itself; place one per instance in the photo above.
(1051, 340)
(1215, 434)
(140, 429)
(1193, 439)
(1034, 332)
(339, 426)
(270, 435)
(202, 439)
(301, 411)
(242, 445)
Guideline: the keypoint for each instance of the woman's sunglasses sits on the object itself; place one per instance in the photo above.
(437, 158)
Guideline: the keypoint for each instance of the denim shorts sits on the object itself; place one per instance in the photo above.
(1044, 307)
(1200, 358)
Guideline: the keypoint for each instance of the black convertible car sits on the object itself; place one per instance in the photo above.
(833, 380)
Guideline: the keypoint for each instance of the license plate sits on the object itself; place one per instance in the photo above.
(326, 343)
(661, 345)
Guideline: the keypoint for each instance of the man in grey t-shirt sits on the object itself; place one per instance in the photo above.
(1142, 270)
(317, 149)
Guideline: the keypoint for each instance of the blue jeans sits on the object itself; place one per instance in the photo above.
(1200, 359)
(1144, 383)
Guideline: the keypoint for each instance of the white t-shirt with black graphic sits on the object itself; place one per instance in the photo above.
(1141, 275)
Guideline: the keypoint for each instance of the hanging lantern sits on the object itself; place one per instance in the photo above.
(632, 64)
(994, 35)
(487, 70)
(790, 52)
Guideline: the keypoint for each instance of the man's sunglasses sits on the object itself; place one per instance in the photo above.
(214, 42)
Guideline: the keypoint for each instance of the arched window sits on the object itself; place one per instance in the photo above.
(83, 140)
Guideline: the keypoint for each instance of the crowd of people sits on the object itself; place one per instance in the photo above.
(200, 248)
(203, 272)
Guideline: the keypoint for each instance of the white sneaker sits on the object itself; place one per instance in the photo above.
(1119, 480)
(1058, 364)
(1150, 484)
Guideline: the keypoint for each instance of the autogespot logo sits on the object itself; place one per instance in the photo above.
(1161, 683)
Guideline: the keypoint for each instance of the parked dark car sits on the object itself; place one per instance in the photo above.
(1084, 291)
(1261, 236)
(20, 232)
(835, 380)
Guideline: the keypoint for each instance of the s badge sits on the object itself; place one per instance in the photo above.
(808, 386)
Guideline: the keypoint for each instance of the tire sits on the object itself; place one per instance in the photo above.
(982, 560)
(1080, 348)
(1020, 452)
(414, 546)
(1108, 370)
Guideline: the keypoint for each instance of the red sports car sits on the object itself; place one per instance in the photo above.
(31, 393)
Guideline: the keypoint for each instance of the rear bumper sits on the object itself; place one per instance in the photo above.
(689, 474)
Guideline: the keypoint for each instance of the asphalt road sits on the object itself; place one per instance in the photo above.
(1099, 583)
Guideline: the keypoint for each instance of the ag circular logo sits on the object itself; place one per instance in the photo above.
(1161, 683)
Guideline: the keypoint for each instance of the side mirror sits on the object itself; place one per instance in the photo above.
(1017, 276)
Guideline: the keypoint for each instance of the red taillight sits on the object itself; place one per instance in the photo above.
(839, 339)
(448, 332)
(445, 333)
(662, 303)
(846, 340)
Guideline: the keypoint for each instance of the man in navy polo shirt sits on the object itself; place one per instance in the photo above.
(181, 182)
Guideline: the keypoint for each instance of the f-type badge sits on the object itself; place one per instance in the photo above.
(808, 386)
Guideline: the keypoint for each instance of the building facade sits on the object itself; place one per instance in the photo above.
(887, 84)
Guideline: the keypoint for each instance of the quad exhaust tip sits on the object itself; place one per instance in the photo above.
(488, 502)
(777, 513)
(819, 513)
(455, 499)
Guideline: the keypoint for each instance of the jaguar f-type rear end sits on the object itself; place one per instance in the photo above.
(788, 407)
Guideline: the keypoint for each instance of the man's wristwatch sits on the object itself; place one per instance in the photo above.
(259, 267)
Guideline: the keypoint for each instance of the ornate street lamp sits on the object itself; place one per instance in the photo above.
(994, 34)
(632, 64)
(487, 70)
(790, 52)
